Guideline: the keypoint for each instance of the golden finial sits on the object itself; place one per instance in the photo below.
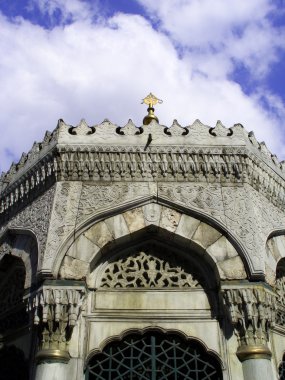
(151, 101)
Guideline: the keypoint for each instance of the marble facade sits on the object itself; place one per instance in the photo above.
(108, 231)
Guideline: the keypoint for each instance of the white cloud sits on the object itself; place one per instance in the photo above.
(103, 69)
(236, 29)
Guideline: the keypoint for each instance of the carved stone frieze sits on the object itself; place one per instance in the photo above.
(206, 197)
(252, 218)
(127, 163)
(24, 190)
(253, 311)
(143, 270)
(109, 153)
(63, 217)
(56, 310)
(35, 217)
(241, 219)
(99, 197)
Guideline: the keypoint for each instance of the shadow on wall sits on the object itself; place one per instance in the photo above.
(281, 369)
(13, 365)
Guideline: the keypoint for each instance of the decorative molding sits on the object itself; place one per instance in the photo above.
(106, 152)
(36, 218)
(252, 218)
(253, 311)
(56, 310)
(63, 216)
(143, 270)
(202, 196)
(23, 189)
(99, 197)
(129, 163)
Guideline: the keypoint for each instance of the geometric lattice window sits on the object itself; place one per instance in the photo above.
(154, 356)
(149, 269)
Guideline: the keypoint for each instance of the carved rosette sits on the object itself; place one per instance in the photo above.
(56, 311)
(253, 311)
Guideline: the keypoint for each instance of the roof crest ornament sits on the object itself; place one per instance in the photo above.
(151, 100)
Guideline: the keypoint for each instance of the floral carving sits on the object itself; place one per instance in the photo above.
(56, 311)
(35, 217)
(143, 270)
(63, 216)
(204, 197)
(253, 312)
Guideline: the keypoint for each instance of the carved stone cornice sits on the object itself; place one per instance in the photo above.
(252, 310)
(56, 308)
(107, 152)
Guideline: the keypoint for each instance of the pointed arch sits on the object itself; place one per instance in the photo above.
(133, 224)
(22, 244)
(153, 351)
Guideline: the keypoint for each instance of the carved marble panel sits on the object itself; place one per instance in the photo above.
(205, 197)
(252, 218)
(143, 270)
(56, 310)
(252, 310)
(63, 217)
(36, 218)
(95, 198)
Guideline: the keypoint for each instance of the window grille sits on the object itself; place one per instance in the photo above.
(153, 356)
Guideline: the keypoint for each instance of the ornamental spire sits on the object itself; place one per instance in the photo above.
(151, 100)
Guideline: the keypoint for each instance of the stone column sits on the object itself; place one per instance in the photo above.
(56, 307)
(252, 309)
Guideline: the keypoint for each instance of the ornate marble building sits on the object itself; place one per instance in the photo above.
(143, 253)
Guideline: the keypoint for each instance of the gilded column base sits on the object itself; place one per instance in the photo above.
(52, 355)
(246, 352)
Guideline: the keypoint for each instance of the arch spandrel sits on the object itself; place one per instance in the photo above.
(164, 223)
(275, 252)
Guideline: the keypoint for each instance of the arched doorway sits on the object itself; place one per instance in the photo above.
(155, 356)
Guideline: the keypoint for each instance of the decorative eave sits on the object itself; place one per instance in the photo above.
(107, 152)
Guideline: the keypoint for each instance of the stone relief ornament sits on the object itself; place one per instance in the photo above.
(280, 291)
(251, 217)
(143, 270)
(56, 310)
(253, 312)
(35, 217)
(199, 196)
(99, 197)
(96, 196)
(63, 216)
(82, 129)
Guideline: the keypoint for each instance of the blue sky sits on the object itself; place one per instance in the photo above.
(76, 59)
